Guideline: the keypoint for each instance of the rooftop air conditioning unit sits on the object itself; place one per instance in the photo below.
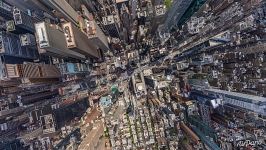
(243, 25)
(47, 40)
(10, 26)
(108, 20)
(160, 10)
(78, 41)
(140, 86)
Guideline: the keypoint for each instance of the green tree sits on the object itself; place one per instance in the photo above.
(168, 3)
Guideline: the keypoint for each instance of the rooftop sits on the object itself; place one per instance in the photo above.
(244, 97)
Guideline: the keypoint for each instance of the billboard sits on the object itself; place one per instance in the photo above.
(90, 27)
(27, 39)
(41, 35)
(70, 39)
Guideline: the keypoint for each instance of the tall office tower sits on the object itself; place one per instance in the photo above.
(126, 21)
(111, 20)
(132, 74)
(175, 13)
